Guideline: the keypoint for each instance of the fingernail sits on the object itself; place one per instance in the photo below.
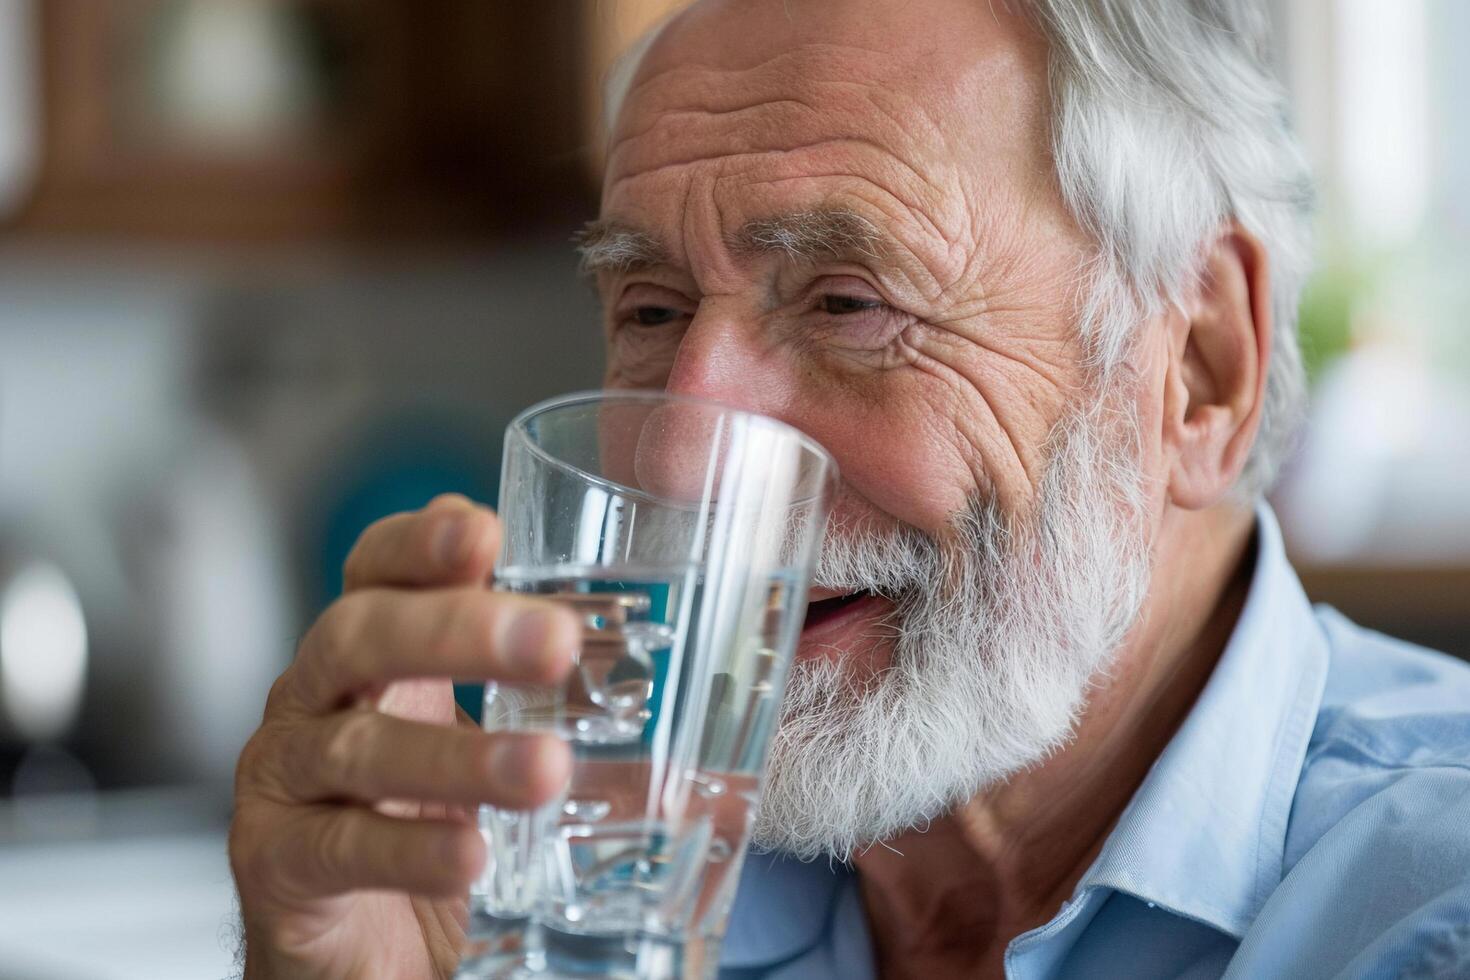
(451, 541)
(530, 636)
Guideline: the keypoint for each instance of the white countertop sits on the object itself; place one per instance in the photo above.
(130, 907)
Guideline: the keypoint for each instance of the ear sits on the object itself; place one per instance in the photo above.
(1216, 379)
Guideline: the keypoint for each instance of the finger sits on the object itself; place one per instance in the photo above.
(368, 756)
(372, 637)
(332, 850)
(451, 541)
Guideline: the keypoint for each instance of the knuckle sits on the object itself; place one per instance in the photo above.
(451, 540)
(279, 694)
(348, 648)
(429, 536)
(361, 560)
(354, 569)
(344, 751)
(293, 773)
(445, 501)
(340, 627)
(481, 525)
(264, 769)
(248, 764)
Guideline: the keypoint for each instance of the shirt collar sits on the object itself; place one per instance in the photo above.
(1205, 834)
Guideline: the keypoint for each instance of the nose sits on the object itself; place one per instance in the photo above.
(725, 357)
(681, 450)
(722, 359)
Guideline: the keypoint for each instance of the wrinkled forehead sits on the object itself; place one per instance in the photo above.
(942, 77)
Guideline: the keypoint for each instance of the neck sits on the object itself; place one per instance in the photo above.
(947, 900)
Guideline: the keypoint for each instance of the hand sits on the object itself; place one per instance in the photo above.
(354, 841)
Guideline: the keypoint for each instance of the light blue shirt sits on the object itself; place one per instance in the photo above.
(1310, 818)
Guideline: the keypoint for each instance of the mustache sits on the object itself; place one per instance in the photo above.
(897, 559)
(890, 562)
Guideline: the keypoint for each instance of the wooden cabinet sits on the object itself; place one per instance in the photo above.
(1429, 606)
(260, 120)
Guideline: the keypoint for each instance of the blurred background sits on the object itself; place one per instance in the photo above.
(270, 269)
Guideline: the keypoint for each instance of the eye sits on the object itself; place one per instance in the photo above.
(655, 316)
(849, 313)
(649, 306)
(835, 305)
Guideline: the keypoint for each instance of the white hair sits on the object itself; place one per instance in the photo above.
(1166, 124)
(998, 632)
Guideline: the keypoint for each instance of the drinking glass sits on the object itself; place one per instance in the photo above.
(683, 533)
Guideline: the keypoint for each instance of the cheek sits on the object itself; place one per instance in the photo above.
(898, 459)
(640, 358)
(920, 440)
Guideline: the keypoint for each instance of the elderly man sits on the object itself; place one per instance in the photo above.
(1060, 709)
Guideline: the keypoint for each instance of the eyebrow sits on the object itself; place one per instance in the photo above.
(610, 246)
(806, 236)
(799, 236)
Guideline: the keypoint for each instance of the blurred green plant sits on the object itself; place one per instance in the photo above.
(1325, 323)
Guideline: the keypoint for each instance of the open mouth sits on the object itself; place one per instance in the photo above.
(821, 610)
(846, 626)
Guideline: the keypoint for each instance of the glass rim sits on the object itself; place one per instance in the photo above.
(519, 426)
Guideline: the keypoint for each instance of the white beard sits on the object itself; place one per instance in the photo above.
(998, 635)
